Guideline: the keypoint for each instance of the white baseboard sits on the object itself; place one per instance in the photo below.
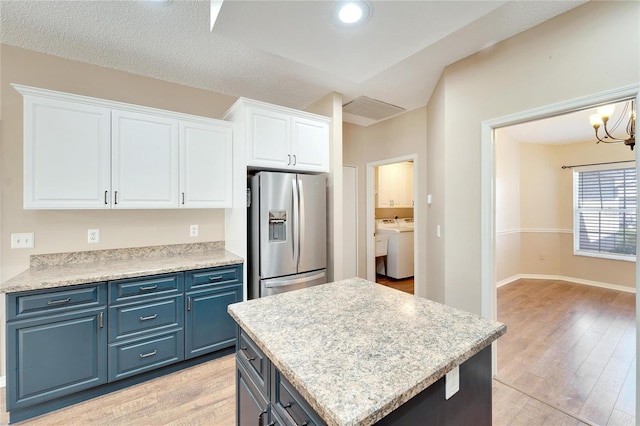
(3, 381)
(569, 279)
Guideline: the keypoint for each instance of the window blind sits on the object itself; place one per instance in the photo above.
(606, 211)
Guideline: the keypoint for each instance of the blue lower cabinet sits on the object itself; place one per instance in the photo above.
(209, 327)
(62, 341)
(55, 355)
(253, 406)
(140, 355)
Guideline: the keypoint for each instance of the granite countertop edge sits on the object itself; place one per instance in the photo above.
(393, 401)
(63, 275)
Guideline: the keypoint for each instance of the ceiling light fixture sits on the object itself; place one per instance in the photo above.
(351, 13)
(602, 118)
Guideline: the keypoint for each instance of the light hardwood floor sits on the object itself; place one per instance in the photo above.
(205, 394)
(572, 346)
(405, 285)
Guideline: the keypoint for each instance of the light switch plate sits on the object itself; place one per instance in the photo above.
(22, 240)
(452, 382)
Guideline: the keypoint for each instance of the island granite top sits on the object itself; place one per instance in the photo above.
(64, 269)
(356, 350)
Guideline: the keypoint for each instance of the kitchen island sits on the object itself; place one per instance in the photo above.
(356, 353)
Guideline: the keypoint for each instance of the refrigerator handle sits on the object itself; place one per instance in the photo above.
(295, 226)
(301, 220)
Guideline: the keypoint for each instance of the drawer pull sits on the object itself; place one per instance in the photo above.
(150, 317)
(151, 287)
(59, 301)
(215, 278)
(149, 354)
(263, 412)
(291, 420)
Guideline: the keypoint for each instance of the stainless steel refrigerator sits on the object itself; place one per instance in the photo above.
(287, 232)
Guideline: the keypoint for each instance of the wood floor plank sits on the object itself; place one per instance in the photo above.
(572, 345)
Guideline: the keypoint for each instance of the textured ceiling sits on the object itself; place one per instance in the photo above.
(282, 52)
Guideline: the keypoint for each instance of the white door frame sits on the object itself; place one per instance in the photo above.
(488, 178)
(370, 212)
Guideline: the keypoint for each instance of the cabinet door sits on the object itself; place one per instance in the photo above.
(406, 177)
(387, 184)
(310, 145)
(205, 165)
(145, 163)
(208, 325)
(54, 356)
(252, 406)
(66, 155)
(268, 135)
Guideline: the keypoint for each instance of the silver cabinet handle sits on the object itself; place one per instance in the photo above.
(115, 197)
(101, 320)
(149, 354)
(150, 317)
(295, 160)
(183, 198)
(59, 301)
(215, 278)
(189, 303)
(263, 412)
(289, 159)
(290, 418)
(151, 287)
(106, 193)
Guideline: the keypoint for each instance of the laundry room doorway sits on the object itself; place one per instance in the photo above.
(390, 222)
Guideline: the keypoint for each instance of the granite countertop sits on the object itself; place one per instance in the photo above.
(64, 269)
(356, 350)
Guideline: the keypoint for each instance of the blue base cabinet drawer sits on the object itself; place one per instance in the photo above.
(214, 276)
(47, 302)
(132, 289)
(129, 358)
(155, 316)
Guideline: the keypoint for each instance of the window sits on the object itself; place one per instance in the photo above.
(605, 213)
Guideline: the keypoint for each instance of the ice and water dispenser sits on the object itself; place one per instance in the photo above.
(277, 225)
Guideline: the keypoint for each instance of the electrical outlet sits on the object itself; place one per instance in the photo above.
(452, 382)
(193, 231)
(22, 240)
(93, 236)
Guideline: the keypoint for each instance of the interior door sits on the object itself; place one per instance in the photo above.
(312, 191)
(278, 256)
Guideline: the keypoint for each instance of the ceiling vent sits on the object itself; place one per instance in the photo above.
(371, 108)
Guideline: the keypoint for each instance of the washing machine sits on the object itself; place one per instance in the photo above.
(400, 246)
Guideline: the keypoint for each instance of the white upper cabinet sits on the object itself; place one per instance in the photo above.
(87, 153)
(395, 185)
(205, 165)
(145, 161)
(281, 138)
(67, 156)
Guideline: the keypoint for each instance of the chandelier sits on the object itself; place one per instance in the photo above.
(601, 119)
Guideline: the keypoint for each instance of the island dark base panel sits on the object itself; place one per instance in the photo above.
(471, 405)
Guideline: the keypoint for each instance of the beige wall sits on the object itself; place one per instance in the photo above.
(60, 231)
(507, 207)
(550, 63)
(397, 137)
(534, 212)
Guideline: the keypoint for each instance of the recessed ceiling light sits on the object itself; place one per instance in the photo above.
(351, 13)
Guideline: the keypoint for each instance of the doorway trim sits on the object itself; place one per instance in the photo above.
(488, 178)
(370, 227)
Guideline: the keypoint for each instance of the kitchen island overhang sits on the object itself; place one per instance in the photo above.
(356, 351)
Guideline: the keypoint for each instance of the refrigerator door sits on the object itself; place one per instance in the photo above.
(295, 282)
(278, 243)
(312, 223)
